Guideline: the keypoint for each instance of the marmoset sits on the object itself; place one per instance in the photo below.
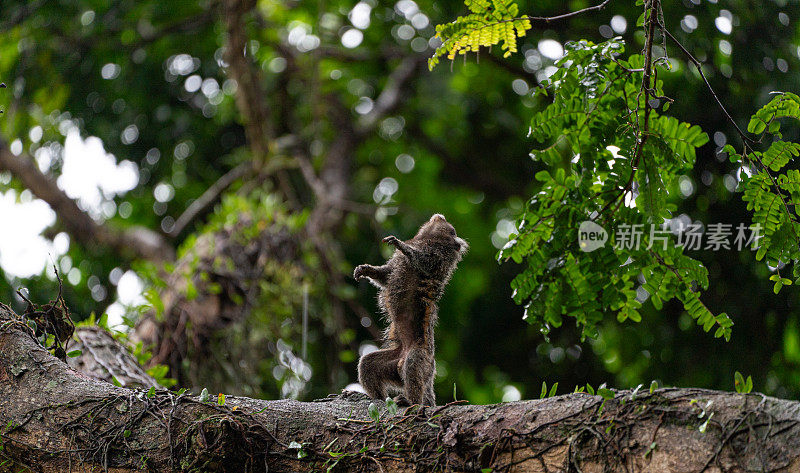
(411, 284)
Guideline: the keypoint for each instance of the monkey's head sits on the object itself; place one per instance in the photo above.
(442, 232)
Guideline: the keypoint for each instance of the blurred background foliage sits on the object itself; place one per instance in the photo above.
(151, 80)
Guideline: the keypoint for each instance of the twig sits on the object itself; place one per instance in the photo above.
(209, 198)
(641, 134)
(547, 19)
(570, 14)
(699, 67)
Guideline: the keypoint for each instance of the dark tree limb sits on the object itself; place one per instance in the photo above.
(132, 243)
(244, 171)
(250, 96)
(55, 419)
(251, 100)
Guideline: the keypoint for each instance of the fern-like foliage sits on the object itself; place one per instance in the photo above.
(785, 104)
(612, 158)
(490, 22)
(590, 100)
(773, 196)
(778, 154)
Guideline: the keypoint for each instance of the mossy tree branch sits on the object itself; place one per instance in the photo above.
(55, 419)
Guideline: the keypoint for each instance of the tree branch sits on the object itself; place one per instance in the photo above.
(133, 242)
(392, 94)
(335, 173)
(56, 419)
(250, 96)
(548, 19)
(203, 204)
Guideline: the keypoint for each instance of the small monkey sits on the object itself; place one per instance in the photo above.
(411, 283)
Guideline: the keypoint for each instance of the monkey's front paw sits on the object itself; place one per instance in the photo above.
(392, 240)
(358, 274)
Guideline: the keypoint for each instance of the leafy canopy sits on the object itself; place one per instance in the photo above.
(614, 157)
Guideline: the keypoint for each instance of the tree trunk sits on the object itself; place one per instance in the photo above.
(55, 419)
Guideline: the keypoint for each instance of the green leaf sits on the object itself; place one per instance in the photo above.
(153, 298)
(636, 391)
(605, 393)
(738, 382)
(783, 105)
(653, 386)
(74, 353)
(682, 138)
(733, 156)
(779, 154)
(391, 406)
(742, 386)
(151, 392)
(704, 425)
(553, 390)
(300, 452)
(373, 411)
(221, 399)
(650, 449)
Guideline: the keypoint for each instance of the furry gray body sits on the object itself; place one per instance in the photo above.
(411, 284)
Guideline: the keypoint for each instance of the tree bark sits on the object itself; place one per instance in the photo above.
(56, 419)
(105, 359)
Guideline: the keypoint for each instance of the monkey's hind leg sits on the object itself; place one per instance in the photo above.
(430, 395)
(377, 372)
(417, 374)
